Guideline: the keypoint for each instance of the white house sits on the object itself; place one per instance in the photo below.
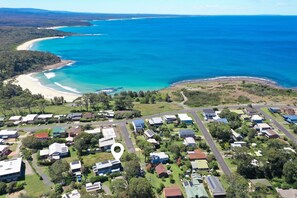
(189, 141)
(159, 157)
(262, 127)
(109, 132)
(156, 121)
(185, 118)
(56, 150)
(93, 131)
(72, 194)
(6, 134)
(93, 187)
(45, 116)
(15, 118)
(257, 119)
(169, 118)
(30, 118)
(106, 143)
(11, 170)
(75, 166)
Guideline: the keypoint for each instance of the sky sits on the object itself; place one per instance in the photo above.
(192, 7)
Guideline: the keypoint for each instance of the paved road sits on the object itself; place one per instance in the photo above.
(46, 179)
(279, 126)
(126, 136)
(211, 144)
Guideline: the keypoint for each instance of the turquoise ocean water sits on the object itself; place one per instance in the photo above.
(153, 53)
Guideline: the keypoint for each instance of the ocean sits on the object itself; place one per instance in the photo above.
(153, 53)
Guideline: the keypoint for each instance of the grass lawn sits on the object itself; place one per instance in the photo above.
(159, 107)
(35, 187)
(229, 163)
(90, 160)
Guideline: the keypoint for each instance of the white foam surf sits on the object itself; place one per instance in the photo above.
(49, 75)
(67, 88)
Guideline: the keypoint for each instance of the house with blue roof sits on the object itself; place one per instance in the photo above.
(59, 132)
(184, 133)
(292, 119)
(222, 120)
(138, 125)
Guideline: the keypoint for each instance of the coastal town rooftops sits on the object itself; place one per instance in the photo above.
(93, 187)
(149, 133)
(215, 186)
(109, 132)
(287, 193)
(72, 194)
(263, 126)
(173, 191)
(29, 118)
(184, 116)
(103, 142)
(44, 152)
(160, 169)
(264, 182)
(209, 111)
(256, 118)
(199, 164)
(138, 123)
(11, 166)
(59, 130)
(186, 133)
(15, 118)
(75, 165)
(93, 131)
(155, 121)
(169, 117)
(161, 155)
(8, 132)
(43, 135)
(58, 148)
(196, 155)
(45, 116)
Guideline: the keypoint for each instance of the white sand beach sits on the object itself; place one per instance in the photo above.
(27, 81)
(28, 45)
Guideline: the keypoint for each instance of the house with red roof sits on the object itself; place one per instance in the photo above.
(196, 155)
(161, 171)
(172, 192)
(42, 136)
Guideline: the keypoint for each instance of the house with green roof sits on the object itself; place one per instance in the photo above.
(199, 165)
(59, 132)
(195, 189)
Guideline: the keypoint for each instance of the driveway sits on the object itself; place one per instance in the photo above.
(46, 179)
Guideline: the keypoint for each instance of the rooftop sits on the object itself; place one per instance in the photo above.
(196, 154)
(106, 141)
(208, 111)
(199, 164)
(109, 132)
(58, 148)
(10, 166)
(215, 186)
(184, 116)
(29, 117)
(149, 133)
(42, 135)
(160, 169)
(264, 182)
(75, 165)
(172, 191)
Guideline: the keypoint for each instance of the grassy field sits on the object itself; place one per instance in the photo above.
(35, 187)
(160, 107)
(90, 160)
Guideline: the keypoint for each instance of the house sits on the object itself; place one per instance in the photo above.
(257, 119)
(138, 125)
(74, 131)
(106, 167)
(287, 193)
(4, 150)
(149, 133)
(59, 132)
(169, 118)
(250, 111)
(75, 168)
(194, 188)
(2, 120)
(72, 194)
(274, 110)
(189, 141)
(15, 118)
(292, 119)
(109, 132)
(93, 187)
(106, 113)
(209, 113)
(74, 116)
(6, 134)
(56, 150)
(172, 192)
(106, 143)
(156, 121)
(29, 119)
(254, 184)
(262, 127)
(183, 133)
(93, 131)
(215, 187)
(43, 154)
(184, 118)
(159, 157)
(161, 171)
(197, 154)
(245, 117)
(11, 170)
(42, 136)
(45, 116)
(153, 141)
(199, 165)
(271, 134)
(236, 136)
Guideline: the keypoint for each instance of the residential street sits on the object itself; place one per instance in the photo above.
(211, 144)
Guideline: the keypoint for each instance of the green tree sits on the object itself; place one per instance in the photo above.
(59, 171)
(118, 185)
(140, 187)
(238, 187)
(132, 169)
(290, 171)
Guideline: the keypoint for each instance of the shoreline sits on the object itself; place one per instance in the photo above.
(29, 44)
